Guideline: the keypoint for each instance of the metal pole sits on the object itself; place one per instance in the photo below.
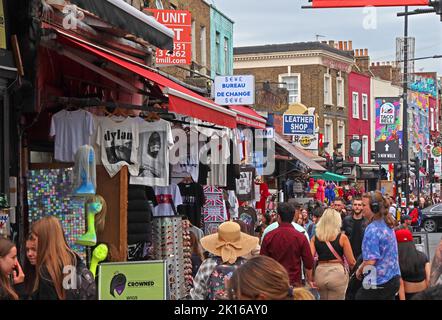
(405, 112)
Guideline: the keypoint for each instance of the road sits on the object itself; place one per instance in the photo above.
(433, 239)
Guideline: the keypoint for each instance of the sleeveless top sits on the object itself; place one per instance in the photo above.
(324, 253)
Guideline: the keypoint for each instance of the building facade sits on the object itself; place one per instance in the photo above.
(315, 74)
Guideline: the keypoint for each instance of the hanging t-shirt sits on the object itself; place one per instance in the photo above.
(193, 202)
(245, 186)
(155, 142)
(187, 155)
(248, 216)
(71, 129)
(168, 199)
(119, 141)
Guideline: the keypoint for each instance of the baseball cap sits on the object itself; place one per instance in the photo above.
(404, 235)
(405, 217)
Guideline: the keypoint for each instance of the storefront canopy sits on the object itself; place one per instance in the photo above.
(126, 17)
(329, 176)
(248, 117)
(181, 100)
(291, 149)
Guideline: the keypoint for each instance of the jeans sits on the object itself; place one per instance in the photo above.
(332, 281)
(386, 291)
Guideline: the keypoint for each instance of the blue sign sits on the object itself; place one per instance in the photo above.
(299, 124)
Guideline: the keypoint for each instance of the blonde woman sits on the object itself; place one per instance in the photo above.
(53, 254)
(331, 247)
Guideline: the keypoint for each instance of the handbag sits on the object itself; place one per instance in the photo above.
(342, 260)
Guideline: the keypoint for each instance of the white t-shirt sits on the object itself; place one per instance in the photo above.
(71, 129)
(153, 156)
(119, 143)
(164, 196)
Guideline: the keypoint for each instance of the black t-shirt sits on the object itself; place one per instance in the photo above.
(248, 216)
(193, 200)
(357, 237)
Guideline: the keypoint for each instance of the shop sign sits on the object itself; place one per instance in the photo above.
(132, 281)
(387, 115)
(355, 148)
(267, 133)
(299, 124)
(235, 90)
(308, 142)
(436, 151)
(180, 21)
(387, 151)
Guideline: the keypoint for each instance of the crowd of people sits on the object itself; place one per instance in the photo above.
(356, 251)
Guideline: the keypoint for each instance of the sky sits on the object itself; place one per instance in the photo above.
(258, 22)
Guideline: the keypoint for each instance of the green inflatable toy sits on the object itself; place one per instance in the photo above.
(90, 237)
(98, 255)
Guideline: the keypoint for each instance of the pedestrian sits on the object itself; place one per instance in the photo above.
(405, 223)
(380, 268)
(289, 247)
(263, 278)
(431, 293)
(197, 256)
(354, 226)
(11, 273)
(332, 248)
(393, 208)
(414, 214)
(228, 246)
(339, 206)
(306, 220)
(296, 217)
(414, 265)
(29, 264)
(316, 216)
(366, 209)
(53, 256)
(436, 266)
(244, 228)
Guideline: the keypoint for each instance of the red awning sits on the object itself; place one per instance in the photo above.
(181, 99)
(249, 117)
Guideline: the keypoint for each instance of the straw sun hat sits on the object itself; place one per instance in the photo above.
(229, 242)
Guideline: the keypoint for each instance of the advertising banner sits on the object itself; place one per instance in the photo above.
(388, 124)
(302, 128)
(235, 90)
(180, 21)
(418, 124)
(144, 280)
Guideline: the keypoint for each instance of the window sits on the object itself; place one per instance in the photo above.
(364, 107)
(328, 135)
(292, 84)
(226, 56)
(327, 89)
(355, 105)
(203, 48)
(159, 4)
(340, 92)
(432, 119)
(217, 53)
(193, 41)
(364, 149)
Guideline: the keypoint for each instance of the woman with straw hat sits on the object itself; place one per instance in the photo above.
(228, 246)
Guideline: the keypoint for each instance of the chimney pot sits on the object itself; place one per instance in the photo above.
(345, 46)
(350, 45)
(331, 43)
(366, 52)
(378, 63)
(341, 45)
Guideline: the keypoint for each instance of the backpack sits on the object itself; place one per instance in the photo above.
(217, 280)
(86, 286)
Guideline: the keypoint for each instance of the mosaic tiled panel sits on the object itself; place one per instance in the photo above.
(50, 194)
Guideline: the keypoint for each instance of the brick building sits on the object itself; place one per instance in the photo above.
(315, 74)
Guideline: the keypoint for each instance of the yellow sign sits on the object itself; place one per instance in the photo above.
(2, 27)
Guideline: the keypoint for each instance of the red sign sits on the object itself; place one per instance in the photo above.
(180, 22)
(365, 3)
(321, 140)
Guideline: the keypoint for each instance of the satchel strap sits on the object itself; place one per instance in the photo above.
(337, 256)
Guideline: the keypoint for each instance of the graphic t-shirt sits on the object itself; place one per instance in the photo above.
(245, 186)
(155, 141)
(119, 141)
(193, 201)
(168, 198)
(71, 129)
(248, 216)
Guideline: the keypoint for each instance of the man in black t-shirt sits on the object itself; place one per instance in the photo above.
(354, 227)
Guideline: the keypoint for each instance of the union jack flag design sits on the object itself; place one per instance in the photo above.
(214, 207)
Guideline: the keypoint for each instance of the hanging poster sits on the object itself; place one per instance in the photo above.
(245, 186)
(388, 125)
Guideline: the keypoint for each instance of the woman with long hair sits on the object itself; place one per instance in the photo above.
(331, 247)
(29, 268)
(263, 278)
(414, 265)
(380, 269)
(10, 270)
(53, 255)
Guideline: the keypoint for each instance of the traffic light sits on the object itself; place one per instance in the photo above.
(398, 172)
(338, 162)
(329, 164)
(414, 166)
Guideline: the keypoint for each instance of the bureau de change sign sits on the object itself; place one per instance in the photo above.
(235, 90)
